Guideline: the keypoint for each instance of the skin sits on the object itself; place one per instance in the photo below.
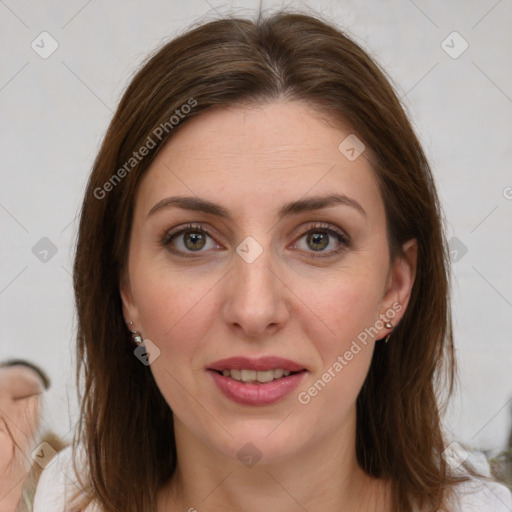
(20, 392)
(286, 303)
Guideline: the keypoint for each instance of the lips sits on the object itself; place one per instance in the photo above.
(261, 381)
(259, 364)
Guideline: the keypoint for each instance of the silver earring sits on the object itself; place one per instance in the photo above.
(136, 335)
(388, 325)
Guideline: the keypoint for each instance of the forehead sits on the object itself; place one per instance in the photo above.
(14, 378)
(275, 152)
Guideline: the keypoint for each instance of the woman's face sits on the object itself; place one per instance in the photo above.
(20, 394)
(258, 245)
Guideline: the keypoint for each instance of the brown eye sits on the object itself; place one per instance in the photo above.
(188, 240)
(323, 241)
(317, 241)
(194, 241)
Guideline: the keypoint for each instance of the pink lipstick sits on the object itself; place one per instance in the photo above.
(260, 381)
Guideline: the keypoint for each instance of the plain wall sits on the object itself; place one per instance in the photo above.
(54, 113)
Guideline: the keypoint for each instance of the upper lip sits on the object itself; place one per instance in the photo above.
(258, 364)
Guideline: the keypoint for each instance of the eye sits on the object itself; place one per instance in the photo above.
(323, 239)
(189, 239)
(24, 389)
(24, 397)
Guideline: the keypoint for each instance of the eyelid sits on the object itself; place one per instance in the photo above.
(183, 228)
(24, 397)
(324, 226)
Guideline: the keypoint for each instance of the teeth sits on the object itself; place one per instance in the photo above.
(267, 376)
(253, 375)
(247, 375)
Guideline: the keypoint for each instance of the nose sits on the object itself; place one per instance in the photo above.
(255, 301)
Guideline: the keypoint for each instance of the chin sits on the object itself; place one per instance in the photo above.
(259, 442)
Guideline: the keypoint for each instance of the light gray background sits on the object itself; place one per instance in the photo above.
(54, 113)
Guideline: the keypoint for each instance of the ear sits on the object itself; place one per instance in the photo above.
(400, 282)
(130, 311)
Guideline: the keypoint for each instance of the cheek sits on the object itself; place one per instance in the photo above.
(177, 317)
(173, 305)
(6, 449)
(30, 415)
(338, 318)
(176, 312)
(345, 349)
(22, 421)
(343, 308)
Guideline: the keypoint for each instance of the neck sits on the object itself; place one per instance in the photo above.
(323, 477)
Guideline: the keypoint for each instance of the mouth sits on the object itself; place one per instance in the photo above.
(260, 381)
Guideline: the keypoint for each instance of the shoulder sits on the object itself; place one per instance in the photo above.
(57, 485)
(483, 493)
(51, 488)
(477, 495)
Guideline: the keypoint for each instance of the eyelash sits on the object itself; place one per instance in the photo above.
(341, 237)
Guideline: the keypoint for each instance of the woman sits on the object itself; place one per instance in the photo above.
(261, 283)
(22, 385)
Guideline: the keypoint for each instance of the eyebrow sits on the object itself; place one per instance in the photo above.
(293, 208)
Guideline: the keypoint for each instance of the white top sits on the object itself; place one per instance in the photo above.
(56, 486)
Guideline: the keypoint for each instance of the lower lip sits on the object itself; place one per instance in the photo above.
(257, 393)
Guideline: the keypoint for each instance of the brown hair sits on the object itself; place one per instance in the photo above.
(127, 427)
